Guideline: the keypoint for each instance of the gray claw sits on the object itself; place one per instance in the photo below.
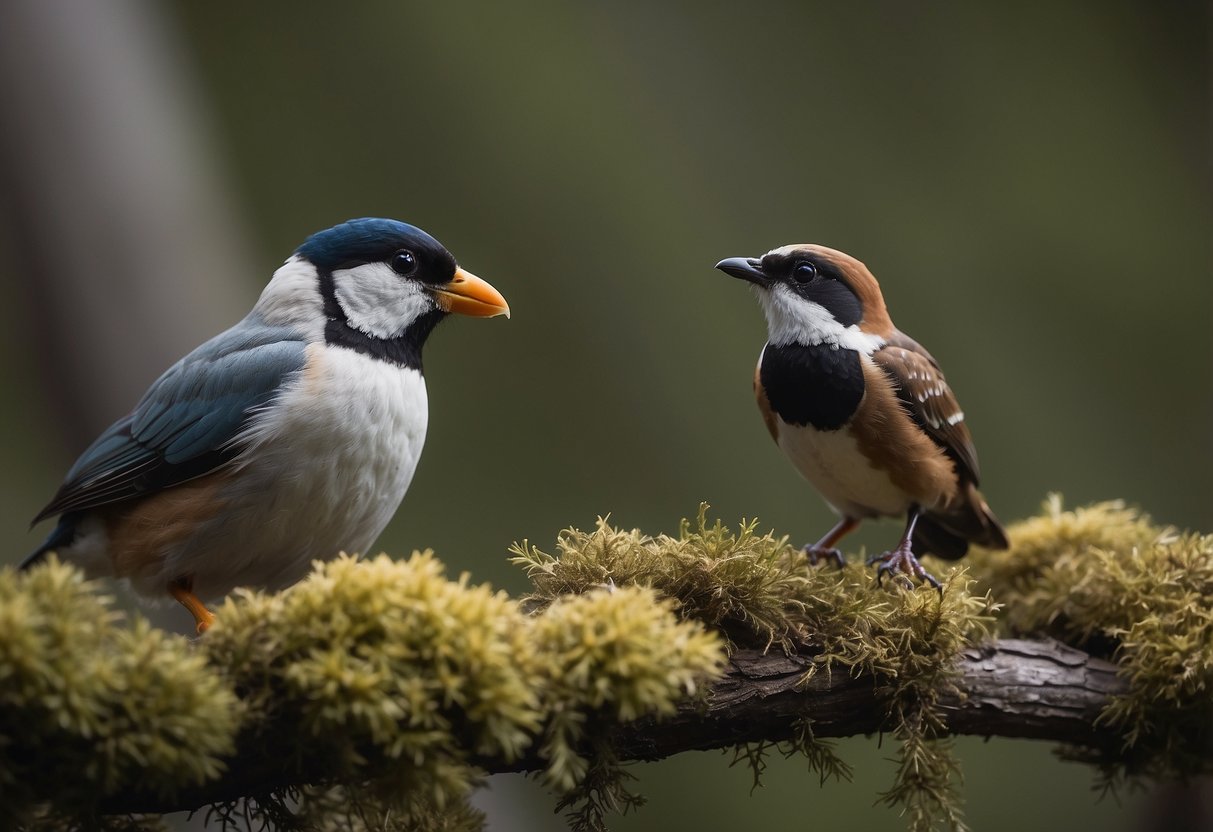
(901, 563)
(819, 553)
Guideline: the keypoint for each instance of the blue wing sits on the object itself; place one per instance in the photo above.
(183, 426)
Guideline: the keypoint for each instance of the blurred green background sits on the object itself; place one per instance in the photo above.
(1030, 183)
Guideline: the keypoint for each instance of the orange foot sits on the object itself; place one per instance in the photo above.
(183, 590)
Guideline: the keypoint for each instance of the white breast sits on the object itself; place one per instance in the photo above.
(326, 468)
(832, 462)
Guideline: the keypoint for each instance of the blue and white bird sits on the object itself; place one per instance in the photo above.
(290, 437)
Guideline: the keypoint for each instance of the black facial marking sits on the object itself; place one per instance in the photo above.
(407, 250)
(816, 278)
(819, 385)
(404, 350)
(836, 297)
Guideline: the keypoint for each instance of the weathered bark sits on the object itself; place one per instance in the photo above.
(1010, 688)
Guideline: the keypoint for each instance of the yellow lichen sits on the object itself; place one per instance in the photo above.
(761, 591)
(386, 669)
(1105, 579)
(91, 706)
(398, 680)
(622, 652)
(612, 655)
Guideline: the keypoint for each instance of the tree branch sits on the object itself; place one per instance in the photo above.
(1009, 688)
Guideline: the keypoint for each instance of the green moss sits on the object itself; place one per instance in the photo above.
(612, 655)
(1053, 547)
(761, 591)
(392, 673)
(620, 654)
(1106, 579)
(398, 679)
(395, 678)
(753, 586)
(90, 707)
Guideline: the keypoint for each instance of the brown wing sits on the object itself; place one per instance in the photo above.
(921, 387)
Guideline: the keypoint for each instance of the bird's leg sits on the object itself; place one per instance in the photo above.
(183, 590)
(900, 561)
(825, 549)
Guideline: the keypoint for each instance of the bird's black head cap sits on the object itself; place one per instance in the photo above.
(375, 240)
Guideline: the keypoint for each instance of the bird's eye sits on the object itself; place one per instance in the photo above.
(404, 262)
(804, 271)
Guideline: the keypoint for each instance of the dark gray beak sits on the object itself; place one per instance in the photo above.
(745, 268)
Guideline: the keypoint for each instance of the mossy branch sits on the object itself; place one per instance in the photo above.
(1013, 688)
(1010, 688)
(376, 693)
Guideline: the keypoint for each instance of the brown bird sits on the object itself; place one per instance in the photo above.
(863, 410)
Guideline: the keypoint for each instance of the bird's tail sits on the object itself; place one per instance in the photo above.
(948, 533)
(62, 535)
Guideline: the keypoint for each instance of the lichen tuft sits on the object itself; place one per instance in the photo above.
(394, 674)
(614, 655)
(1107, 580)
(760, 591)
(398, 680)
(90, 707)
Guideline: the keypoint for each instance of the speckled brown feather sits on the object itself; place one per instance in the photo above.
(892, 442)
(930, 401)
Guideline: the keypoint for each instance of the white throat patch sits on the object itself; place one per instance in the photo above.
(792, 319)
(378, 301)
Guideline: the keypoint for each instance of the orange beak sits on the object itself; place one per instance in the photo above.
(467, 294)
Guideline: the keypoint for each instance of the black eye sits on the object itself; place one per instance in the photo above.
(404, 262)
(804, 271)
